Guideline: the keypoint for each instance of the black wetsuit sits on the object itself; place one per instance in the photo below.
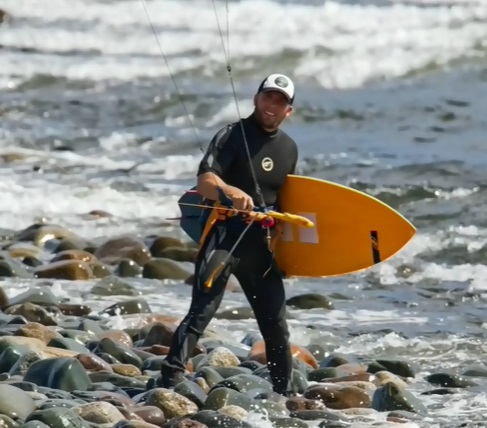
(274, 156)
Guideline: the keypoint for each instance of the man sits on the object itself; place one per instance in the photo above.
(248, 168)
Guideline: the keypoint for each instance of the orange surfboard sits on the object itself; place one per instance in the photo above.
(352, 230)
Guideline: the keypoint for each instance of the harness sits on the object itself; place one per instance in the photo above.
(222, 211)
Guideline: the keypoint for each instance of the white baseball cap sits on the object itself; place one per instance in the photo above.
(278, 82)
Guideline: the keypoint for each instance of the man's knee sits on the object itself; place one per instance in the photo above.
(275, 330)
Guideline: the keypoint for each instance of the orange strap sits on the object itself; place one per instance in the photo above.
(215, 215)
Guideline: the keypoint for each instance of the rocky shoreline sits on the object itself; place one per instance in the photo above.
(62, 365)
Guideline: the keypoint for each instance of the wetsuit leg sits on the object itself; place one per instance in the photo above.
(266, 296)
(204, 303)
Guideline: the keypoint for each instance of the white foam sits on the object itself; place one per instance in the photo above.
(343, 45)
(28, 197)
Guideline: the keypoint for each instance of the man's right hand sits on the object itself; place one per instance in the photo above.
(240, 199)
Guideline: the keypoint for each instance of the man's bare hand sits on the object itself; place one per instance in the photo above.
(240, 199)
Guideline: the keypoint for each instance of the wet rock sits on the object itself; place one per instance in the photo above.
(66, 374)
(99, 270)
(15, 403)
(162, 242)
(210, 375)
(23, 344)
(310, 415)
(100, 214)
(301, 403)
(74, 254)
(219, 357)
(90, 326)
(80, 336)
(192, 391)
(99, 412)
(58, 402)
(402, 416)
(37, 330)
(126, 370)
(32, 262)
(93, 363)
(65, 244)
(107, 393)
(45, 233)
(70, 344)
(476, 370)
(157, 334)
(32, 313)
(7, 422)
(383, 376)
(257, 353)
(332, 374)
(439, 391)
(133, 424)
(134, 306)
(58, 418)
(117, 380)
(220, 397)
(23, 249)
(449, 380)
(9, 357)
(74, 309)
(184, 423)
(391, 397)
(213, 419)
(118, 336)
(113, 286)
(310, 301)
(4, 301)
(400, 368)
(234, 412)
(337, 359)
(128, 268)
(280, 422)
(73, 270)
(245, 382)
(11, 268)
(241, 313)
(150, 414)
(179, 254)
(117, 249)
(336, 397)
(160, 268)
(39, 296)
(119, 351)
(171, 403)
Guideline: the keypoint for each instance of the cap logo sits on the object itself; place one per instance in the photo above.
(281, 82)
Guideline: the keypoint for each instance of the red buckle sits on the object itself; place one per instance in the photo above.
(268, 223)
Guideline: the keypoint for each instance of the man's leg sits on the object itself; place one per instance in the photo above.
(204, 304)
(266, 296)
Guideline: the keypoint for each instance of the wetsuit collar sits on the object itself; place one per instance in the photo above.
(253, 121)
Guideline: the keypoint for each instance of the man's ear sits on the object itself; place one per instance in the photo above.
(289, 111)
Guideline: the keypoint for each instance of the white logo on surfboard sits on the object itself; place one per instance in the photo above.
(267, 164)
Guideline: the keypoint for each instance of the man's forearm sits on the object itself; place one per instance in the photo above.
(208, 184)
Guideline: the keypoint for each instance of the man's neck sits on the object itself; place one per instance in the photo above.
(253, 119)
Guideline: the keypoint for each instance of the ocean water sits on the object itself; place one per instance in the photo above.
(391, 100)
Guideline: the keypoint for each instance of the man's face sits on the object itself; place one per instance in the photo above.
(271, 108)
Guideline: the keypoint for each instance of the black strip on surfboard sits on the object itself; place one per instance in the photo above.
(374, 240)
